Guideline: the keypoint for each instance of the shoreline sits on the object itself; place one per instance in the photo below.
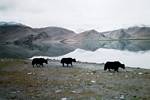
(19, 80)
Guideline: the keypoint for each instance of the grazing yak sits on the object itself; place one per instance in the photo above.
(113, 65)
(39, 62)
(67, 61)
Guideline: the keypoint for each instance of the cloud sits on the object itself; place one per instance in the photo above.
(77, 14)
(5, 5)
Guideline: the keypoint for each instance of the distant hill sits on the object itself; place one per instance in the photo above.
(132, 39)
(17, 40)
(21, 41)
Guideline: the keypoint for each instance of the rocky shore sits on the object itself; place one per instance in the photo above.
(84, 81)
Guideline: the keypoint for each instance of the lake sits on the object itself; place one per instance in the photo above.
(132, 59)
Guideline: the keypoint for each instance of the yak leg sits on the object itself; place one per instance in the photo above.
(38, 65)
(71, 64)
(63, 64)
(116, 69)
(42, 65)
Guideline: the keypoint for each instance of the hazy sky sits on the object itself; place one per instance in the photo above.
(77, 15)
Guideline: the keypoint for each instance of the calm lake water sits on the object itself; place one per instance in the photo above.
(132, 59)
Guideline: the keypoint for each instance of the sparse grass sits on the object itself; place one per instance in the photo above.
(16, 78)
(10, 62)
(139, 98)
(42, 85)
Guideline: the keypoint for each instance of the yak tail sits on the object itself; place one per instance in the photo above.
(105, 67)
(32, 63)
(61, 61)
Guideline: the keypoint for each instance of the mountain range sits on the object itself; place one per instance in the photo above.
(21, 41)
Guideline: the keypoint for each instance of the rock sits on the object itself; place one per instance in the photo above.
(75, 92)
(126, 76)
(29, 73)
(93, 81)
(110, 73)
(140, 73)
(18, 91)
(78, 79)
(92, 73)
(63, 98)
(122, 97)
(58, 91)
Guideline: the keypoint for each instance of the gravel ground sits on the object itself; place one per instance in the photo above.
(84, 81)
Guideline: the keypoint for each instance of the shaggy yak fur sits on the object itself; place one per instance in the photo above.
(113, 65)
(39, 62)
(67, 61)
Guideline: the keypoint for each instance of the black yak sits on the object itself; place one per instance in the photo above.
(67, 61)
(113, 65)
(39, 62)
